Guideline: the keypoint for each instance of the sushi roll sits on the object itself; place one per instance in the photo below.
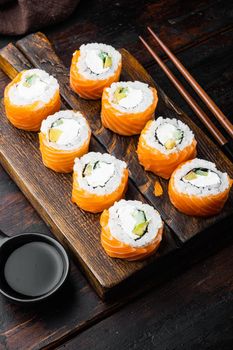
(131, 230)
(31, 96)
(165, 143)
(93, 67)
(98, 181)
(198, 188)
(64, 136)
(127, 107)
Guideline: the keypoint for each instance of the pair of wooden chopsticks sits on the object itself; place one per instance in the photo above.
(222, 141)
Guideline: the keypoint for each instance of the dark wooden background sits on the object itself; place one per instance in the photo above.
(187, 305)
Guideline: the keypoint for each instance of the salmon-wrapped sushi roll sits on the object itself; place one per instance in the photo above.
(93, 67)
(198, 188)
(31, 96)
(131, 230)
(127, 107)
(98, 181)
(64, 136)
(165, 143)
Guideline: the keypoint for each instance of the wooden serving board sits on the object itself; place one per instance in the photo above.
(50, 192)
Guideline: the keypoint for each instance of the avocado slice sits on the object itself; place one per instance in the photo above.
(30, 80)
(190, 176)
(141, 223)
(88, 170)
(108, 62)
(140, 229)
(120, 93)
(170, 144)
(54, 134)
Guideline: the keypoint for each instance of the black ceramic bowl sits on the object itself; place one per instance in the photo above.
(8, 245)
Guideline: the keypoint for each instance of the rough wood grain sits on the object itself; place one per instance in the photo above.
(102, 284)
(180, 23)
(50, 194)
(78, 307)
(36, 46)
(39, 52)
(193, 311)
(208, 62)
(75, 308)
(18, 61)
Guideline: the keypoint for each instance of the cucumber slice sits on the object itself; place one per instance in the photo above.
(57, 122)
(179, 134)
(30, 80)
(139, 216)
(103, 55)
(96, 164)
(201, 172)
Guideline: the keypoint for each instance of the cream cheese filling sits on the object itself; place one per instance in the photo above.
(31, 87)
(66, 130)
(34, 85)
(202, 178)
(130, 218)
(94, 62)
(134, 97)
(169, 135)
(99, 174)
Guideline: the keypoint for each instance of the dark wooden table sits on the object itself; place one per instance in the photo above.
(186, 305)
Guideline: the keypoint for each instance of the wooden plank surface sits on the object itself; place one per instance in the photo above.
(50, 194)
(77, 307)
(194, 311)
(36, 46)
(208, 62)
(103, 272)
(181, 24)
(211, 63)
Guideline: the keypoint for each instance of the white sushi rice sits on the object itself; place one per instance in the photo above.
(89, 60)
(104, 180)
(43, 88)
(75, 129)
(121, 222)
(188, 188)
(151, 141)
(141, 96)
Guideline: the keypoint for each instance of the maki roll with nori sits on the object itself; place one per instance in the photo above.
(165, 143)
(198, 188)
(131, 230)
(127, 107)
(98, 181)
(31, 96)
(94, 66)
(64, 136)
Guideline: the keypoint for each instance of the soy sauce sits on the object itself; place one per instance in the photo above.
(34, 269)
